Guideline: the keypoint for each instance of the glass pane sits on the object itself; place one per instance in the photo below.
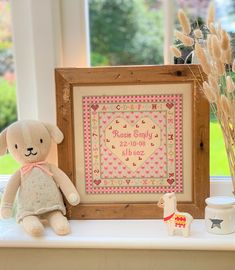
(225, 13)
(126, 32)
(196, 10)
(8, 112)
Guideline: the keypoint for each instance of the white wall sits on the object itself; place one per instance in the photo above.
(90, 259)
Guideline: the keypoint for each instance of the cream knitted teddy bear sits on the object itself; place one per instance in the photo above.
(38, 183)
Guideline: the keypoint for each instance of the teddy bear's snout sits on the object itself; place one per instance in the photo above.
(30, 151)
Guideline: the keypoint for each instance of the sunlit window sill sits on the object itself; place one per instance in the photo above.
(116, 234)
(121, 234)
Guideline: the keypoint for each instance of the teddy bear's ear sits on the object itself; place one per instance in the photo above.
(3, 142)
(55, 132)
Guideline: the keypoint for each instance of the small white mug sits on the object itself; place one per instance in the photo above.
(220, 215)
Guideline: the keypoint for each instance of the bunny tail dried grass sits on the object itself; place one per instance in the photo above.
(212, 29)
(233, 66)
(211, 96)
(219, 29)
(198, 33)
(199, 51)
(230, 84)
(210, 14)
(205, 66)
(187, 41)
(209, 44)
(200, 54)
(225, 105)
(214, 84)
(225, 40)
(226, 56)
(216, 50)
(219, 67)
(175, 51)
(184, 22)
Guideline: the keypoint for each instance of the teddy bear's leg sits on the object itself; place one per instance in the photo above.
(32, 225)
(58, 222)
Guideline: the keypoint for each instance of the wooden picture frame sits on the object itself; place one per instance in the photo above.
(143, 80)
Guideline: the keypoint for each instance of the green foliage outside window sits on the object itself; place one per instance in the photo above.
(126, 32)
(8, 112)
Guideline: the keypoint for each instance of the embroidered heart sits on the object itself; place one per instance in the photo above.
(133, 143)
(128, 181)
(169, 105)
(95, 107)
(170, 181)
(97, 182)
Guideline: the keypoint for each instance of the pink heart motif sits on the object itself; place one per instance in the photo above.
(170, 181)
(95, 107)
(169, 105)
(124, 137)
(97, 182)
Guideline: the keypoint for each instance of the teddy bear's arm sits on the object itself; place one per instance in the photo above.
(65, 185)
(9, 195)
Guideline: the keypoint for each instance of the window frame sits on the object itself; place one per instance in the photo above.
(50, 34)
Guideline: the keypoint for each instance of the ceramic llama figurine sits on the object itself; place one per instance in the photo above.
(175, 220)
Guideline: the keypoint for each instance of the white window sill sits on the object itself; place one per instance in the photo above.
(117, 234)
(121, 234)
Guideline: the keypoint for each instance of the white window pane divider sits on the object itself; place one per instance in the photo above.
(46, 34)
(168, 10)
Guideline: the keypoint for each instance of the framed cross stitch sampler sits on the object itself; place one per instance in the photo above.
(131, 134)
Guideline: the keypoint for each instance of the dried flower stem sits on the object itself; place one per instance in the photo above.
(215, 56)
(187, 41)
(175, 51)
(210, 14)
(184, 22)
(198, 33)
(224, 40)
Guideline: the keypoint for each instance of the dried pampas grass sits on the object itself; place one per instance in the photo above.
(209, 44)
(201, 55)
(212, 29)
(219, 67)
(187, 41)
(233, 65)
(214, 83)
(214, 52)
(230, 84)
(216, 49)
(184, 22)
(175, 51)
(198, 33)
(210, 94)
(225, 106)
(219, 29)
(224, 40)
(210, 14)
(226, 56)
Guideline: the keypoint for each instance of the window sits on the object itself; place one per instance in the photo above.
(131, 32)
(49, 34)
(8, 112)
(126, 32)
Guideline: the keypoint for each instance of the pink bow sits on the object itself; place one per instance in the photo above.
(29, 166)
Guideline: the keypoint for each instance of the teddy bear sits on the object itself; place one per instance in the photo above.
(38, 184)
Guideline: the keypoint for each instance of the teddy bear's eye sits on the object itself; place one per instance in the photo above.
(41, 140)
(16, 146)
